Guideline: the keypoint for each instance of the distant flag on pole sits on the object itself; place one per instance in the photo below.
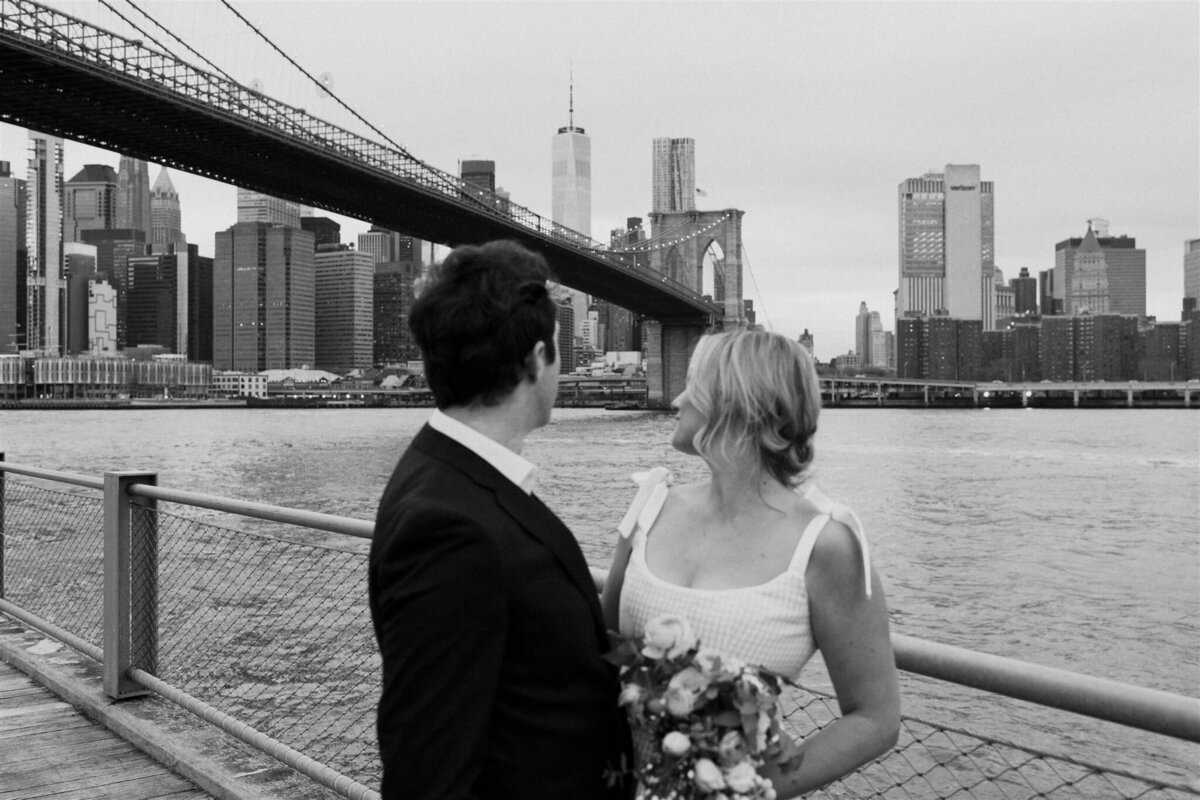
(701, 192)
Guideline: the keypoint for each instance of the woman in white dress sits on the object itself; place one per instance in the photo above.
(765, 567)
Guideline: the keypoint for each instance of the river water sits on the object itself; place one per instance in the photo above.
(1069, 538)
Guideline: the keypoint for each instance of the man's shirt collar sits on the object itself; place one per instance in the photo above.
(521, 472)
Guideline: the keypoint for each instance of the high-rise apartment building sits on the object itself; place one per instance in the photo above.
(89, 201)
(13, 266)
(1099, 274)
(344, 308)
(947, 245)
(1191, 271)
(166, 217)
(259, 207)
(133, 195)
(263, 298)
(46, 291)
(674, 179)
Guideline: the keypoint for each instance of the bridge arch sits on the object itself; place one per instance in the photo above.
(679, 242)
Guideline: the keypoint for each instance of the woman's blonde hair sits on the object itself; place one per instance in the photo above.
(759, 394)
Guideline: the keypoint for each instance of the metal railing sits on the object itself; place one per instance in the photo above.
(266, 634)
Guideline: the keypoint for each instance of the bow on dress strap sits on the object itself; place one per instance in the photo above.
(825, 505)
(647, 482)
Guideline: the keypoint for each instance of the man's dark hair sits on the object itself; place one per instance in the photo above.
(477, 317)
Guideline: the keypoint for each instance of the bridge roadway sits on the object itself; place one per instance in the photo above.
(65, 77)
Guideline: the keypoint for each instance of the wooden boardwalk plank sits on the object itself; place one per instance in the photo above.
(50, 751)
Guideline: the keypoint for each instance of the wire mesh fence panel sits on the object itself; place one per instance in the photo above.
(275, 633)
(54, 556)
(936, 760)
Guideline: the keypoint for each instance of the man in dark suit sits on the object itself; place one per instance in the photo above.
(486, 614)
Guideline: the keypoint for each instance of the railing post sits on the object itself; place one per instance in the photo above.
(130, 583)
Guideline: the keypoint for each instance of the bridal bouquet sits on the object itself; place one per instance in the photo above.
(702, 723)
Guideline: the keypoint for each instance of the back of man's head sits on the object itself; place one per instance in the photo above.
(476, 319)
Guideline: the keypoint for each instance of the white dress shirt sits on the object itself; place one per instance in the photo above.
(511, 465)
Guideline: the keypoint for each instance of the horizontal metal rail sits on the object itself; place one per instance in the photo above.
(52, 475)
(357, 528)
(1134, 706)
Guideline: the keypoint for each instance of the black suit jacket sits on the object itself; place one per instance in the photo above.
(491, 634)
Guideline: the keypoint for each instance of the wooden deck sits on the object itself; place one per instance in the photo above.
(49, 750)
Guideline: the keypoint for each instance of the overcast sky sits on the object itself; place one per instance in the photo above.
(806, 116)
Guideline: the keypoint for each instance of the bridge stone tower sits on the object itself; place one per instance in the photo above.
(681, 240)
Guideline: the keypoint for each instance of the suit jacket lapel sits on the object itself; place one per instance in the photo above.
(529, 512)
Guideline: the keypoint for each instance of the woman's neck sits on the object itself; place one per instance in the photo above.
(744, 486)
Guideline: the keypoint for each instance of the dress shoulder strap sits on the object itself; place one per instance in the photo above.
(652, 486)
(827, 509)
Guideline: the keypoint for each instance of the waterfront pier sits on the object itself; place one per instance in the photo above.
(179, 608)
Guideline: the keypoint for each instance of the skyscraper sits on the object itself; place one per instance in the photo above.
(571, 156)
(263, 298)
(392, 301)
(114, 248)
(1098, 273)
(947, 251)
(166, 219)
(13, 268)
(479, 173)
(79, 261)
(89, 201)
(571, 200)
(258, 207)
(1191, 269)
(46, 291)
(1025, 293)
(674, 179)
(323, 229)
(344, 307)
(133, 195)
(388, 246)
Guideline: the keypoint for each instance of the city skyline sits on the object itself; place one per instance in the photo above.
(806, 116)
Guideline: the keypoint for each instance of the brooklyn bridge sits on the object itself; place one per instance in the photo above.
(63, 76)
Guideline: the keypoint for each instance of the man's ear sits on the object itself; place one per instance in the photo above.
(535, 362)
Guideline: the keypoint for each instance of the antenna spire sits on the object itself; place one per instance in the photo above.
(571, 109)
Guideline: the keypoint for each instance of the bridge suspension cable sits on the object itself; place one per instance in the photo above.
(165, 30)
(662, 240)
(318, 83)
(249, 108)
(757, 291)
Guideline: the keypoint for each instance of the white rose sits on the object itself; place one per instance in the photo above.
(680, 702)
(741, 777)
(630, 695)
(708, 776)
(676, 744)
(667, 635)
